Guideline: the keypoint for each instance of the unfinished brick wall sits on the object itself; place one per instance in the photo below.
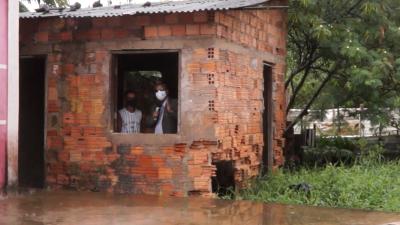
(81, 154)
(221, 85)
(233, 84)
(265, 31)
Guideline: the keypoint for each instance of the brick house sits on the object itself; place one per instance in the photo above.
(224, 61)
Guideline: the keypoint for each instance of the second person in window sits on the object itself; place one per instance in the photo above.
(130, 118)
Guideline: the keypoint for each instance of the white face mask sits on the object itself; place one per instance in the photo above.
(161, 95)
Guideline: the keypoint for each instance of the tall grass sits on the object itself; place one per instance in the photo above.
(370, 183)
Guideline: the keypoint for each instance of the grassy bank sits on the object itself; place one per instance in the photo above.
(368, 184)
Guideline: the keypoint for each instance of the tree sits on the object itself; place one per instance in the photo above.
(344, 53)
(22, 7)
(52, 3)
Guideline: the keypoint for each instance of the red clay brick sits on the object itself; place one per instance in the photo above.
(185, 18)
(52, 133)
(66, 36)
(57, 25)
(69, 68)
(172, 18)
(121, 33)
(42, 25)
(100, 56)
(93, 34)
(137, 150)
(107, 34)
(52, 93)
(100, 22)
(42, 36)
(53, 106)
(54, 142)
(178, 30)
(164, 173)
(114, 21)
(150, 32)
(70, 23)
(142, 20)
(157, 19)
(207, 29)
(164, 31)
(192, 29)
(167, 189)
(200, 17)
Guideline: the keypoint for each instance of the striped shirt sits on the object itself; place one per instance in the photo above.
(130, 121)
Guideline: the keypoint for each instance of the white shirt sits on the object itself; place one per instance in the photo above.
(130, 121)
(159, 129)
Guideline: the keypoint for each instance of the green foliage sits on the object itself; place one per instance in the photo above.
(370, 155)
(52, 3)
(370, 183)
(348, 48)
(22, 7)
(330, 154)
(339, 142)
(335, 150)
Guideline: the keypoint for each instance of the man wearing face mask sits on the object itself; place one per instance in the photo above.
(165, 117)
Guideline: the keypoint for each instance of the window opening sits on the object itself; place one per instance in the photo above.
(146, 93)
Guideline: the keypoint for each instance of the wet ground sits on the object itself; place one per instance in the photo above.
(98, 208)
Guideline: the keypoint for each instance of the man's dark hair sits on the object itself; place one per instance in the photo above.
(161, 84)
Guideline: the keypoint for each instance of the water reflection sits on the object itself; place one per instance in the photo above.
(97, 208)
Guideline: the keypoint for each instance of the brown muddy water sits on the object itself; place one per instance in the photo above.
(70, 208)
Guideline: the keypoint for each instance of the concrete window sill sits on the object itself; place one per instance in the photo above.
(146, 139)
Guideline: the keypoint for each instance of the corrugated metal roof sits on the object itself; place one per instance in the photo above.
(156, 7)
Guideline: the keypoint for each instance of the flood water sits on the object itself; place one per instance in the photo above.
(80, 208)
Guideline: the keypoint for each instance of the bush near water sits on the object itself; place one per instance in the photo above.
(369, 182)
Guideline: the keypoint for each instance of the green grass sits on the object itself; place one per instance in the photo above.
(368, 184)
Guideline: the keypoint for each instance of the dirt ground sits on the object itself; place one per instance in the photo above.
(64, 207)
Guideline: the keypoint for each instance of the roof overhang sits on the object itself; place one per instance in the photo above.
(155, 8)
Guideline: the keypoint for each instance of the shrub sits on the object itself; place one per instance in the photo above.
(369, 183)
(330, 151)
(339, 142)
(327, 155)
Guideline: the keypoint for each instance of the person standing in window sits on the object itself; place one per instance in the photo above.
(165, 117)
(129, 118)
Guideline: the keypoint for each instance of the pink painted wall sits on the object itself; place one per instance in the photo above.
(3, 88)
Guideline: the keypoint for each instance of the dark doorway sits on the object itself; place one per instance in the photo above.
(267, 120)
(224, 182)
(31, 122)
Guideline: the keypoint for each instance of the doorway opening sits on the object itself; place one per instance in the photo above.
(267, 155)
(224, 182)
(137, 73)
(31, 122)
